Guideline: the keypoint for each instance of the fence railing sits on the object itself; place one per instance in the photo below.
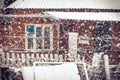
(19, 59)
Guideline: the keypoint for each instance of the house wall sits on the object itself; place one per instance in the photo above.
(86, 27)
(23, 11)
(12, 34)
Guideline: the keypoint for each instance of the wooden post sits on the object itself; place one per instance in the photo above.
(60, 58)
(2, 57)
(37, 57)
(46, 57)
(96, 60)
(32, 56)
(56, 57)
(28, 59)
(42, 57)
(13, 58)
(23, 59)
(18, 58)
(28, 56)
(51, 57)
(85, 69)
(7, 58)
(78, 58)
(13, 55)
(107, 68)
(72, 42)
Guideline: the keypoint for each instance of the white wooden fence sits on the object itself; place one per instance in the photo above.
(18, 59)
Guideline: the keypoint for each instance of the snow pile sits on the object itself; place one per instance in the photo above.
(66, 71)
(27, 73)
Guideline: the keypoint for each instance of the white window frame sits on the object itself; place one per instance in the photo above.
(34, 37)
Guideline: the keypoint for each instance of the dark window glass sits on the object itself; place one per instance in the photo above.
(102, 36)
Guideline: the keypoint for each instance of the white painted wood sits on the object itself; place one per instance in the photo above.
(42, 58)
(72, 43)
(56, 57)
(60, 58)
(28, 56)
(7, 55)
(86, 72)
(23, 57)
(96, 59)
(32, 56)
(17, 56)
(102, 16)
(13, 55)
(107, 68)
(78, 58)
(46, 57)
(37, 55)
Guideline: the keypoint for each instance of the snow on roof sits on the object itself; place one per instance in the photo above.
(102, 16)
(60, 4)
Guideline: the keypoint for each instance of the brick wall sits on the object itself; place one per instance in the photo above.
(12, 33)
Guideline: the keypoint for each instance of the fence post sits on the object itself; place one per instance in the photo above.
(72, 43)
(13, 59)
(2, 57)
(46, 58)
(78, 58)
(28, 59)
(107, 68)
(42, 58)
(60, 58)
(7, 58)
(86, 72)
(56, 57)
(23, 59)
(37, 57)
(51, 57)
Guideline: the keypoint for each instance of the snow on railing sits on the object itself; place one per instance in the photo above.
(19, 59)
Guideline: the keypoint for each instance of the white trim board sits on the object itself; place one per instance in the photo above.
(102, 16)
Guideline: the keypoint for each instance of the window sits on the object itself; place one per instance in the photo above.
(38, 37)
(102, 36)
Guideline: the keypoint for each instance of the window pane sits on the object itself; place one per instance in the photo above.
(102, 35)
(39, 37)
(30, 29)
(47, 37)
(30, 43)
